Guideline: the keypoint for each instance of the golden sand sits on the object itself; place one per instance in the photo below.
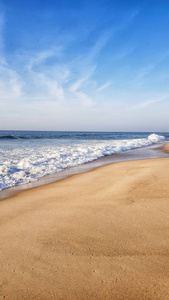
(98, 235)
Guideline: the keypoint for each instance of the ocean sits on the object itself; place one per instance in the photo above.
(26, 156)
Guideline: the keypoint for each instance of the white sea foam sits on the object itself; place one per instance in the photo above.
(25, 164)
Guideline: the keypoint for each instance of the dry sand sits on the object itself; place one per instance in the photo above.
(99, 235)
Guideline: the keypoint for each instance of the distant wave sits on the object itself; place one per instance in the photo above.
(7, 137)
(12, 137)
(50, 136)
(78, 136)
(28, 135)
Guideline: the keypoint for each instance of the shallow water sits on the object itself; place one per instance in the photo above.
(28, 156)
(148, 152)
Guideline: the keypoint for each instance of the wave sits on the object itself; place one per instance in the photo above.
(72, 135)
(57, 135)
(29, 163)
(12, 137)
(7, 137)
(49, 136)
(155, 138)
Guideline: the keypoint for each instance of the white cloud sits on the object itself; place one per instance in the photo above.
(147, 69)
(104, 86)
(150, 102)
(64, 94)
(40, 57)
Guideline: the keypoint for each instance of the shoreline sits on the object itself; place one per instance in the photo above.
(165, 148)
(97, 235)
(135, 154)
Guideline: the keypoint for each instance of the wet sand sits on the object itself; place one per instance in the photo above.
(165, 148)
(97, 235)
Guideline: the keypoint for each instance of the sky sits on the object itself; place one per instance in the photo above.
(100, 65)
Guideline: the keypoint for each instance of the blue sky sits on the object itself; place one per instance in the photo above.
(84, 65)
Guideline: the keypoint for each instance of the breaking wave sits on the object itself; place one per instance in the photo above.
(29, 163)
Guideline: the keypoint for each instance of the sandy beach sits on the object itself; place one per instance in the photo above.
(84, 150)
(97, 235)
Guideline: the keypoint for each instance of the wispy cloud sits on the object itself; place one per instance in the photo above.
(99, 45)
(147, 69)
(39, 79)
(104, 86)
(75, 77)
(150, 102)
(40, 57)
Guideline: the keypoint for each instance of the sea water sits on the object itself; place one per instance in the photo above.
(26, 156)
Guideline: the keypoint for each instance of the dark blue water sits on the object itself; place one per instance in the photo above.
(76, 135)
